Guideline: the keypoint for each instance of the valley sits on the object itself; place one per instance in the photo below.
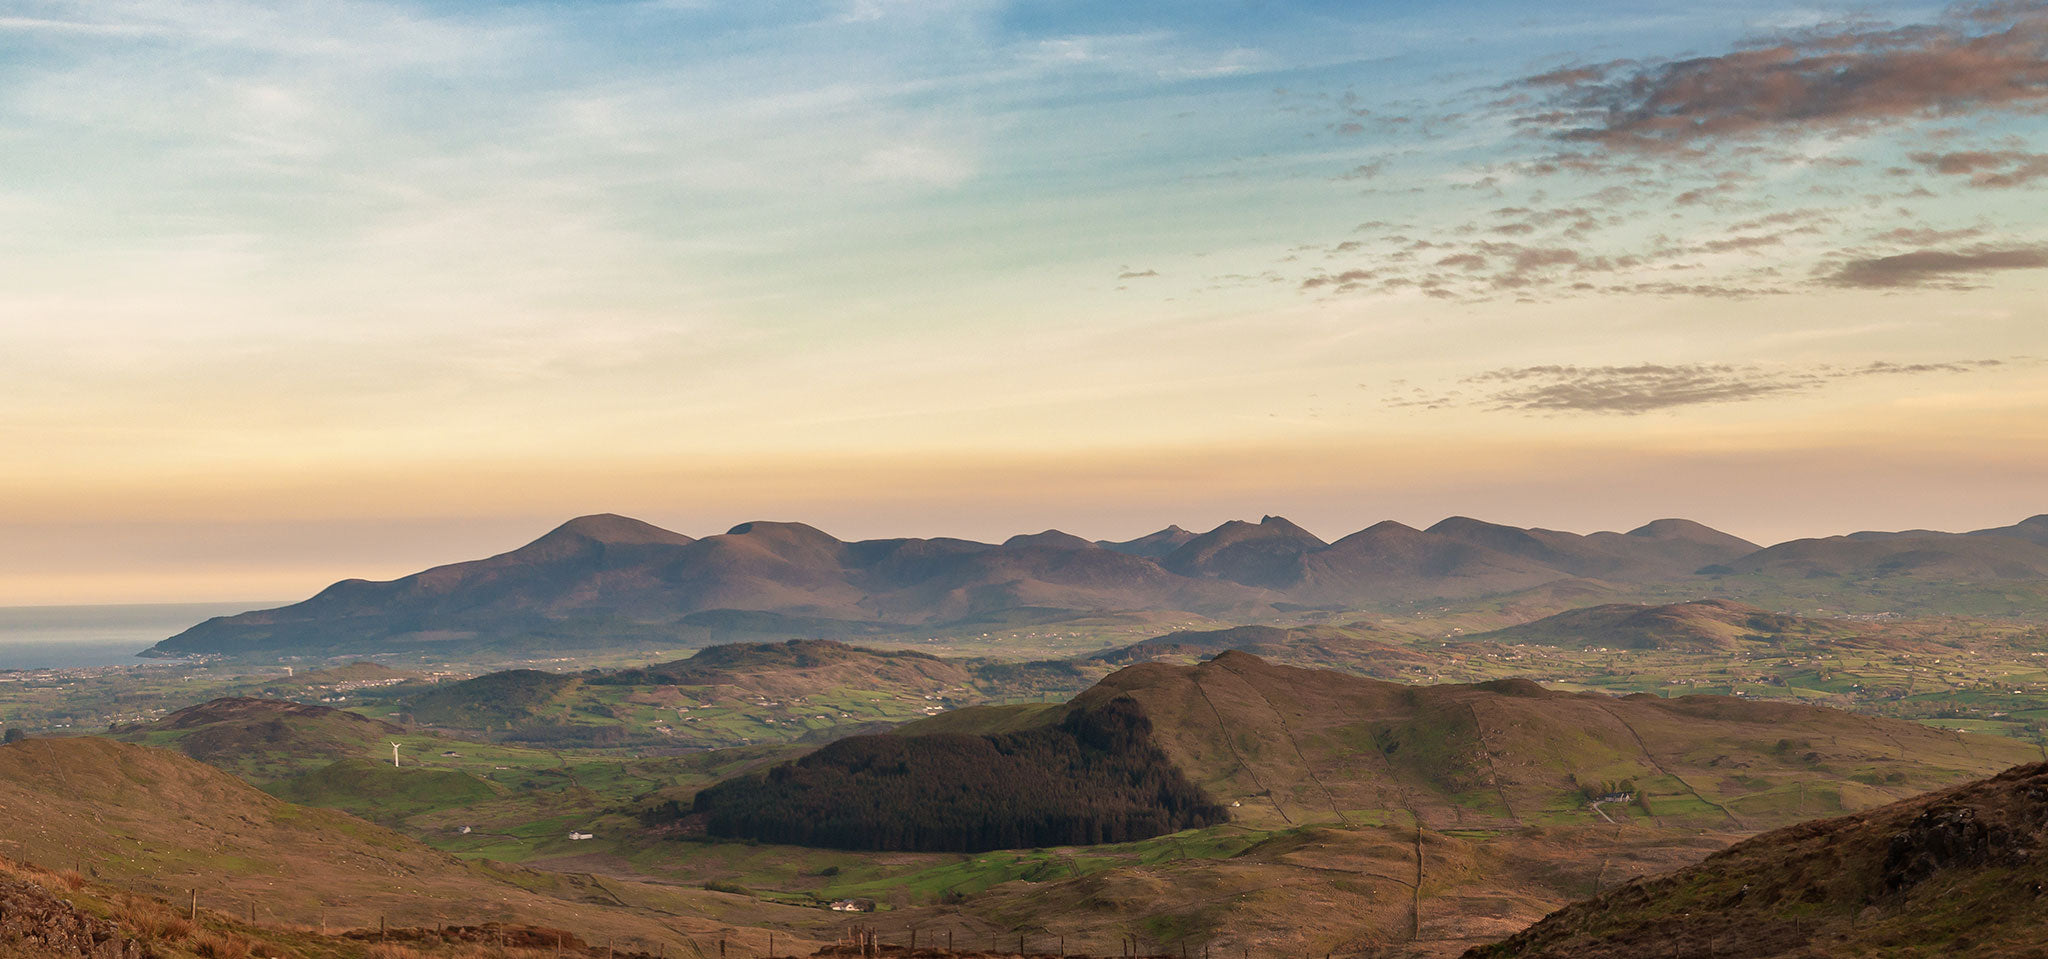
(1395, 777)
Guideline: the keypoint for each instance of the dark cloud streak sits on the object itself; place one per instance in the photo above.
(1934, 267)
(1979, 57)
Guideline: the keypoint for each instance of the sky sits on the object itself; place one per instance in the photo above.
(295, 290)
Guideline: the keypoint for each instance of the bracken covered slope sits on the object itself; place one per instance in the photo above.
(1957, 873)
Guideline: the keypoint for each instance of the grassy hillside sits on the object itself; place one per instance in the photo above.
(1958, 873)
(494, 700)
(383, 791)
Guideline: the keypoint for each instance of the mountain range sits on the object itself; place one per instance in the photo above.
(608, 580)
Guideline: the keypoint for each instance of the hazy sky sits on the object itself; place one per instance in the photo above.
(297, 290)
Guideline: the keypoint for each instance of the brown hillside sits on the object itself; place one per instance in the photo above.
(156, 822)
(1297, 745)
(1961, 873)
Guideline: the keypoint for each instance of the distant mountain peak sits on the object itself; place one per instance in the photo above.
(1155, 545)
(1450, 523)
(1050, 539)
(613, 528)
(761, 527)
(1391, 526)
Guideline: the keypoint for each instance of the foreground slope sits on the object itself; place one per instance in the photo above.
(156, 822)
(46, 914)
(1962, 872)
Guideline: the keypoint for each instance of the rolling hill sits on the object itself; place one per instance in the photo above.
(1701, 625)
(611, 581)
(262, 739)
(798, 667)
(1361, 648)
(507, 698)
(1958, 873)
(726, 695)
(1282, 746)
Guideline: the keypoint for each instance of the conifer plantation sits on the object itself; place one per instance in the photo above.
(1095, 777)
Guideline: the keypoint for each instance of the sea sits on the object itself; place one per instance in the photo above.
(70, 637)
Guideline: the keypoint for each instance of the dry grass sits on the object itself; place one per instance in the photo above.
(212, 945)
(466, 951)
(150, 918)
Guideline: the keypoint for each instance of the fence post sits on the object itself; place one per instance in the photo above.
(195, 905)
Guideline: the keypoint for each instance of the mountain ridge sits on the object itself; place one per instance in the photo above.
(605, 579)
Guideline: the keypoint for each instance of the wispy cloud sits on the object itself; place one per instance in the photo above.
(1652, 387)
(1993, 169)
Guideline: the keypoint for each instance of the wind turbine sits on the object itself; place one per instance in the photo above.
(394, 755)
